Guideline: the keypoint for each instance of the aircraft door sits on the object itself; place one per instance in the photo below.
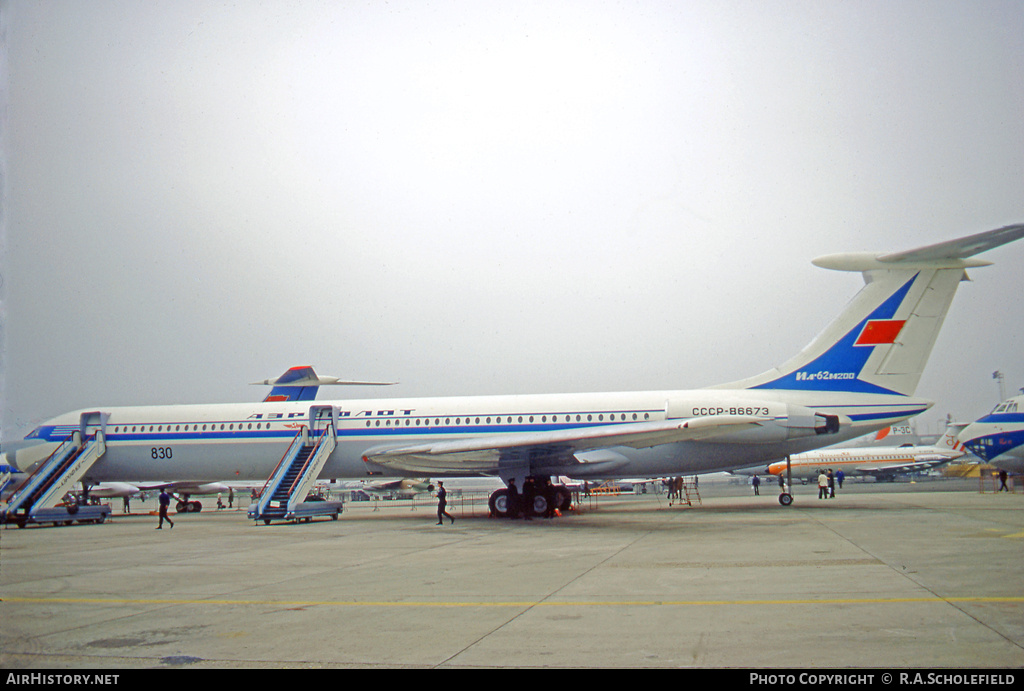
(676, 409)
(322, 417)
(94, 422)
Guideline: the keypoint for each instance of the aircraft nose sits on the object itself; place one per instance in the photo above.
(24, 455)
(971, 437)
(972, 432)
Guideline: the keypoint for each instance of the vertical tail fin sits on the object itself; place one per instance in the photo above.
(896, 432)
(950, 440)
(296, 384)
(881, 341)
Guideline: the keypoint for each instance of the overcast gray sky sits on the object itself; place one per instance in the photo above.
(490, 197)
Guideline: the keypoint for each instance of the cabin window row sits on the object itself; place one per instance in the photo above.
(408, 422)
(224, 427)
(498, 420)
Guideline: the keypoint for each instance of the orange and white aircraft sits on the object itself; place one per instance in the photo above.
(880, 462)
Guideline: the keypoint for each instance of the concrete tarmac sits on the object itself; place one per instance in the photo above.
(883, 576)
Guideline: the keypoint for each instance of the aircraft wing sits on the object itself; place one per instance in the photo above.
(184, 487)
(126, 489)
(398, 485)
(916, 465)
(109, 490)
(570, 447)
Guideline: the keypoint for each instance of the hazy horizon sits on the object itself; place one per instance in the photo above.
(489, 198)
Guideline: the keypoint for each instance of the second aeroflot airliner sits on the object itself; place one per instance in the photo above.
(858, 375)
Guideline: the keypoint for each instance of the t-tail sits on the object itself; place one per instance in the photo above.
(950, 439)
(881, 341)
(302, 384)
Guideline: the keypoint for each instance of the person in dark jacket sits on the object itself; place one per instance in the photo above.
(442, 503)
(165, 501)
(513, 499)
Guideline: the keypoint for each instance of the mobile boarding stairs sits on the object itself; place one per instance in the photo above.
(41, 498)
(284, 496)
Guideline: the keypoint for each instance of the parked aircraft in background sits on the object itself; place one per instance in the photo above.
(411, 487)
(18, 458)
(858, 375)
(880, 462)
(10, 478)
(182, 491)
(998, 437)
(891, 436)
(393, 487)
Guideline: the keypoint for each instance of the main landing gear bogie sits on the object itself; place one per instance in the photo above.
(555, 496)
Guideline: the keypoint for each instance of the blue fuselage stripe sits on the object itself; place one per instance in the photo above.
(400, 427)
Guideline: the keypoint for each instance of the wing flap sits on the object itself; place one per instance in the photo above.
(483, 454)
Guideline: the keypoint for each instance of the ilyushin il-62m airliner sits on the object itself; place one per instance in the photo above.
(858, 375)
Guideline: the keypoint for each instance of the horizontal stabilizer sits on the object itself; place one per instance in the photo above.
(301, 384)
(961, 248)
(953, 254)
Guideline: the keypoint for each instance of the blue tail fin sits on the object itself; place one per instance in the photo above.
(296, 384)
(881, 341)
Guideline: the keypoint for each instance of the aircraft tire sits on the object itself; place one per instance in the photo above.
(785, 499)
(498, 503)
(195, 506)
(540, 505)
(563, 499)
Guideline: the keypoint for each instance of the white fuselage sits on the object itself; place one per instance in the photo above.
(225, 442)
(861, 461)
(999, 436)
(857, 375)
